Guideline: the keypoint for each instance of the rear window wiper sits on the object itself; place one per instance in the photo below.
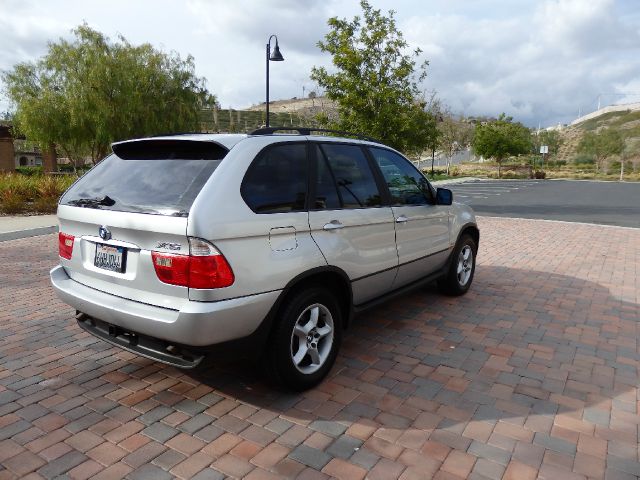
(105, 201)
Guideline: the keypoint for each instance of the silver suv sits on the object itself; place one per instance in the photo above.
(267, 241)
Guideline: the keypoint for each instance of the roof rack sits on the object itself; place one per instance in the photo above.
(308, 130)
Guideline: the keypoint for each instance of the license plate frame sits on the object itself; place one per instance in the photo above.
(112, 258)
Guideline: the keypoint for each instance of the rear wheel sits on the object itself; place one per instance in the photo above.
(461, 268)
(306, 339)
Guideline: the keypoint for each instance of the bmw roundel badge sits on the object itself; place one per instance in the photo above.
(104, 232)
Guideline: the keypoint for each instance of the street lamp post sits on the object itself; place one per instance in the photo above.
(275, 57)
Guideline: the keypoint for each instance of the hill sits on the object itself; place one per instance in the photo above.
(282, 112)
(627, 121)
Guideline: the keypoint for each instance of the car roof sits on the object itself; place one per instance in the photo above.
(229, 140)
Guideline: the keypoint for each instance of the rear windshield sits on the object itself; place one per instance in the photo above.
(156, 177)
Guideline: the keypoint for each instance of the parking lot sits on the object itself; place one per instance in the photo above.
(606, 203)
(534, 373)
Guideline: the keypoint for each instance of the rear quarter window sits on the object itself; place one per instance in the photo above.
(276, 181)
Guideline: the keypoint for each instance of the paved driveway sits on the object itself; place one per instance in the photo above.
(534, 372)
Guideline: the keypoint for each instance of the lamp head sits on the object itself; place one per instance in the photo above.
(276, 56)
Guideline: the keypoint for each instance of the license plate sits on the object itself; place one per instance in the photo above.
(110, 258)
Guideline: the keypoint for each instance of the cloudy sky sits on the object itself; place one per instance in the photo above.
(541, 61)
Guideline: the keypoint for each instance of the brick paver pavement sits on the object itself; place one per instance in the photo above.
(534, 373)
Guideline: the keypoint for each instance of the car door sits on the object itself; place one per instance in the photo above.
(348, 220)
(422, 227)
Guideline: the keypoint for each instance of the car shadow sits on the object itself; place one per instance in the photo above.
(521, 346)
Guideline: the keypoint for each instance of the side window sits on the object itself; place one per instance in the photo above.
(356, 185)
(406, 185)
(326, 193)
(276, 181)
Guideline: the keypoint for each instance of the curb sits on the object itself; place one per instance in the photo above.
(566, 222)
(31, 232)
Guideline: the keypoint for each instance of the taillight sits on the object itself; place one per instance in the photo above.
(65, 245)
(172, 269)
(204, 267)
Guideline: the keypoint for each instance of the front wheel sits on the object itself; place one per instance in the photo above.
(461, 268)
(306, 339)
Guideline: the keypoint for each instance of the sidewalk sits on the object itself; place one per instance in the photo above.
(453, 181)
(13, 227)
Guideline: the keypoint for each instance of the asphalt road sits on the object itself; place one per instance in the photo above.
(605, 203)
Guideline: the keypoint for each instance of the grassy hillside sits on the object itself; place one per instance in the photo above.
(628, 122)
(226, 120)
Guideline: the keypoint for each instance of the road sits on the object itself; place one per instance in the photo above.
(605, 203)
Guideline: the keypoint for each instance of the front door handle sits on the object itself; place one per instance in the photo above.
(402, 219)
(333, 225)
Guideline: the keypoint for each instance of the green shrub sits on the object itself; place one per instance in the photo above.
(52, 186)
(68, 168)
(29, 171)
(555, 163)
(514, 175)
(584, 160)
(615, 166)
(37, 193)
(18, 184)
(45, 205)
(12, 201)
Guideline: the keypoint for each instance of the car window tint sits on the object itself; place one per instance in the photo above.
(406, 185)
(326, 193)
(277, 180)
(355, 181)
(155, 177)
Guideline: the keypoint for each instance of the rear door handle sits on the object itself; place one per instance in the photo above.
(333, 225)
(402, 219)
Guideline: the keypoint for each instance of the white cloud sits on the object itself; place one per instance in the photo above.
(539, 61)
(542, 65)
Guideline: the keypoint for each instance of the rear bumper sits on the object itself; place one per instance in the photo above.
(144, 345)
(196, 324)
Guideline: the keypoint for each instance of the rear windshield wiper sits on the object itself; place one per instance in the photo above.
(105, 201)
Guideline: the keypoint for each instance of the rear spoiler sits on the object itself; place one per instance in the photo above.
(169, 149)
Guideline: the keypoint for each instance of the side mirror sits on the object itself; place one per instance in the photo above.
(444, 196)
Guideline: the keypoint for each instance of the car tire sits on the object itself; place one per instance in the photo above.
(306, 339)
(462, 266)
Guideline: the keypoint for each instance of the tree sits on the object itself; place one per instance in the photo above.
(375, 84)
(501, 138)
(455, 135)
(601, 145)
(431, 136)
(423, 133)
(88, 92)
(551, 138)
